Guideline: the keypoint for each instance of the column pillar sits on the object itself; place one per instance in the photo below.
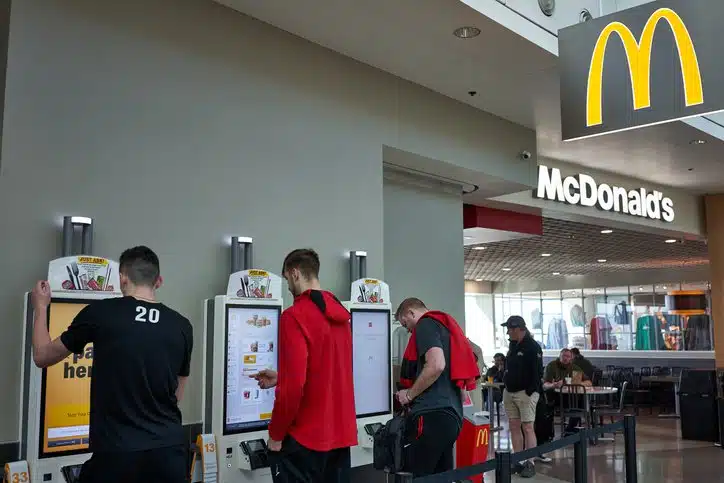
(714, 207)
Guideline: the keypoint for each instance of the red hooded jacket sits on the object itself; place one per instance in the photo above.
(315, 391)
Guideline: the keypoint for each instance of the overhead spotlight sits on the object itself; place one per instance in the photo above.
(556, 273)
(697, 142)
(507, 269)
(601, 260)
(641, 289)
(466, 32)
(545, 254)
(478, 279)
(479, 248)
(606, 232)
(671, 240)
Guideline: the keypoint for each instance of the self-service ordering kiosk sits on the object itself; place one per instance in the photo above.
(55, 402)
(370, 312)
(240, 339)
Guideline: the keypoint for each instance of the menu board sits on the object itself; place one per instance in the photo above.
(65, 390)
(371, 361)
(251, 345)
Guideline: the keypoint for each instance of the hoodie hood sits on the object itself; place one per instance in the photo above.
(329, 305)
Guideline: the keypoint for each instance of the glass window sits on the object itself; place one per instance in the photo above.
(553, 323)
(574, 316)
(479, 324)
(532, 313)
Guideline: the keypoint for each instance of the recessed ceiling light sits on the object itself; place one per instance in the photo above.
(545, 254)
(506, 269)
(479, 248)
(601, 260)
(671, 240)
(664, 287)
(641, 289)
(606, 232)
(556, 273)
(598, 290)
(697, 142)
(478, 279)
(466, 32)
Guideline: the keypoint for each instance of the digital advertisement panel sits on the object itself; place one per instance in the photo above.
(251, 345)
(65, 393)
(371, 361)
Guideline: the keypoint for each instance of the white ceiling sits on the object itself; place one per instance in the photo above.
(514, 79)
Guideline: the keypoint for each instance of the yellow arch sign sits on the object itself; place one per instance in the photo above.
(638, 56)
(482, 437)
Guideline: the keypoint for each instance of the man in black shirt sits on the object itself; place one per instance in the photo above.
(436, 410)
(141, 358)
(523, 376)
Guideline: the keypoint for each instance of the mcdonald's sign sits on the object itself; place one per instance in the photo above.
(482, 437)
(620, 72)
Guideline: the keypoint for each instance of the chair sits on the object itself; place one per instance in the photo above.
(599, 414)
(645, 371)
(640, 390)
(573, 398)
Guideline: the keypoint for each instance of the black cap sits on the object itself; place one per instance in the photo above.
(514, 322)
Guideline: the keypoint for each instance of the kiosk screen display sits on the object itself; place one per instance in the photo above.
(251, 345)
(371, 361)
(65, 390)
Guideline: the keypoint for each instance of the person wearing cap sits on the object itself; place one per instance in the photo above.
(523, 376)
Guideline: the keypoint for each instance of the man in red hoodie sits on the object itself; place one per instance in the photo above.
(313, 423)
(438, 365)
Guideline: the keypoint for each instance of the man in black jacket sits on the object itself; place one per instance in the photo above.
(522, 389)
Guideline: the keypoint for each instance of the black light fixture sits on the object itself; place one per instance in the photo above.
(547, 7)
(466, 32)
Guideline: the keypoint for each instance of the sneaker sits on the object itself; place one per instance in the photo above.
(528, 470)
(544, 459)
(517, 468)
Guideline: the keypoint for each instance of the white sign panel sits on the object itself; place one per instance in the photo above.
(583, 190)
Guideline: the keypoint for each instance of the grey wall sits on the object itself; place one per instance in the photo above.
(177, 123)
(423, 246)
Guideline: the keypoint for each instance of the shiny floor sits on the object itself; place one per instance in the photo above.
(663, 457)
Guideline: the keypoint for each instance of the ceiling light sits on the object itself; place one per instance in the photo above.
(671, 240)
(598, 290)
(606, 232)
(466, 32)
(601, 260)
(506, 269)
(664, 287)
(545, 254)
(479, 248)
(697, 142)
(478, 279)
(556, 273)
(547, 7)
(641, 289)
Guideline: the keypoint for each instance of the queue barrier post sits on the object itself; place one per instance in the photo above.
(403, 477)
(629, 441)
(580, 459)
(503, 467)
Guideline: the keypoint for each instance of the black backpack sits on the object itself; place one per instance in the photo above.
(388, 452)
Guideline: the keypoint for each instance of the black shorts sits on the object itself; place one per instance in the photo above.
(161, 465)
(297, 464)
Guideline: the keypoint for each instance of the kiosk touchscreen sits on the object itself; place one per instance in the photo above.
(371, 362)
(55, 402)
(241, 338)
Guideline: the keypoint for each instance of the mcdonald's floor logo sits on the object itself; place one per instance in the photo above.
(621, 72)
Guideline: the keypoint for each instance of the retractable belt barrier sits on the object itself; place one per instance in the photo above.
(504, 460)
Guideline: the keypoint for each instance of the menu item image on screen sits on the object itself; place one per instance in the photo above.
(371, 361)
(251, 342)
(65, 390)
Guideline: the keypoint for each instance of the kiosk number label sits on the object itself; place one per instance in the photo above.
(21, 477)
(147, 315)
(210, 447)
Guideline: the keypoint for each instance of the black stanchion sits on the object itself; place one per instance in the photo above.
(629, 441)
(580, 459)
(403, 477)
(503, 464)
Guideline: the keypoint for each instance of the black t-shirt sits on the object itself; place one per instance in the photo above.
(443, 394)
(139, 351)
(524, 366)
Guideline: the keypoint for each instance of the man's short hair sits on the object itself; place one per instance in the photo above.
(499, 355)
(411, 303)
(575, 351)
(305, 260)
(140, 264)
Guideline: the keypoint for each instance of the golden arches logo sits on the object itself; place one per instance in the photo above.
(638, 56)
(482, 438)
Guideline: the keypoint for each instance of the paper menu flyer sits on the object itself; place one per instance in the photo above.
(370, 291)
(83, 273)
(254, 284)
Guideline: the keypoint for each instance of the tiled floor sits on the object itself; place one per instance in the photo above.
(662, 458)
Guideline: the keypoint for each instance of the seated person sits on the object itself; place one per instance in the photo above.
(554, 377)
(497, 371)
(586, 366)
